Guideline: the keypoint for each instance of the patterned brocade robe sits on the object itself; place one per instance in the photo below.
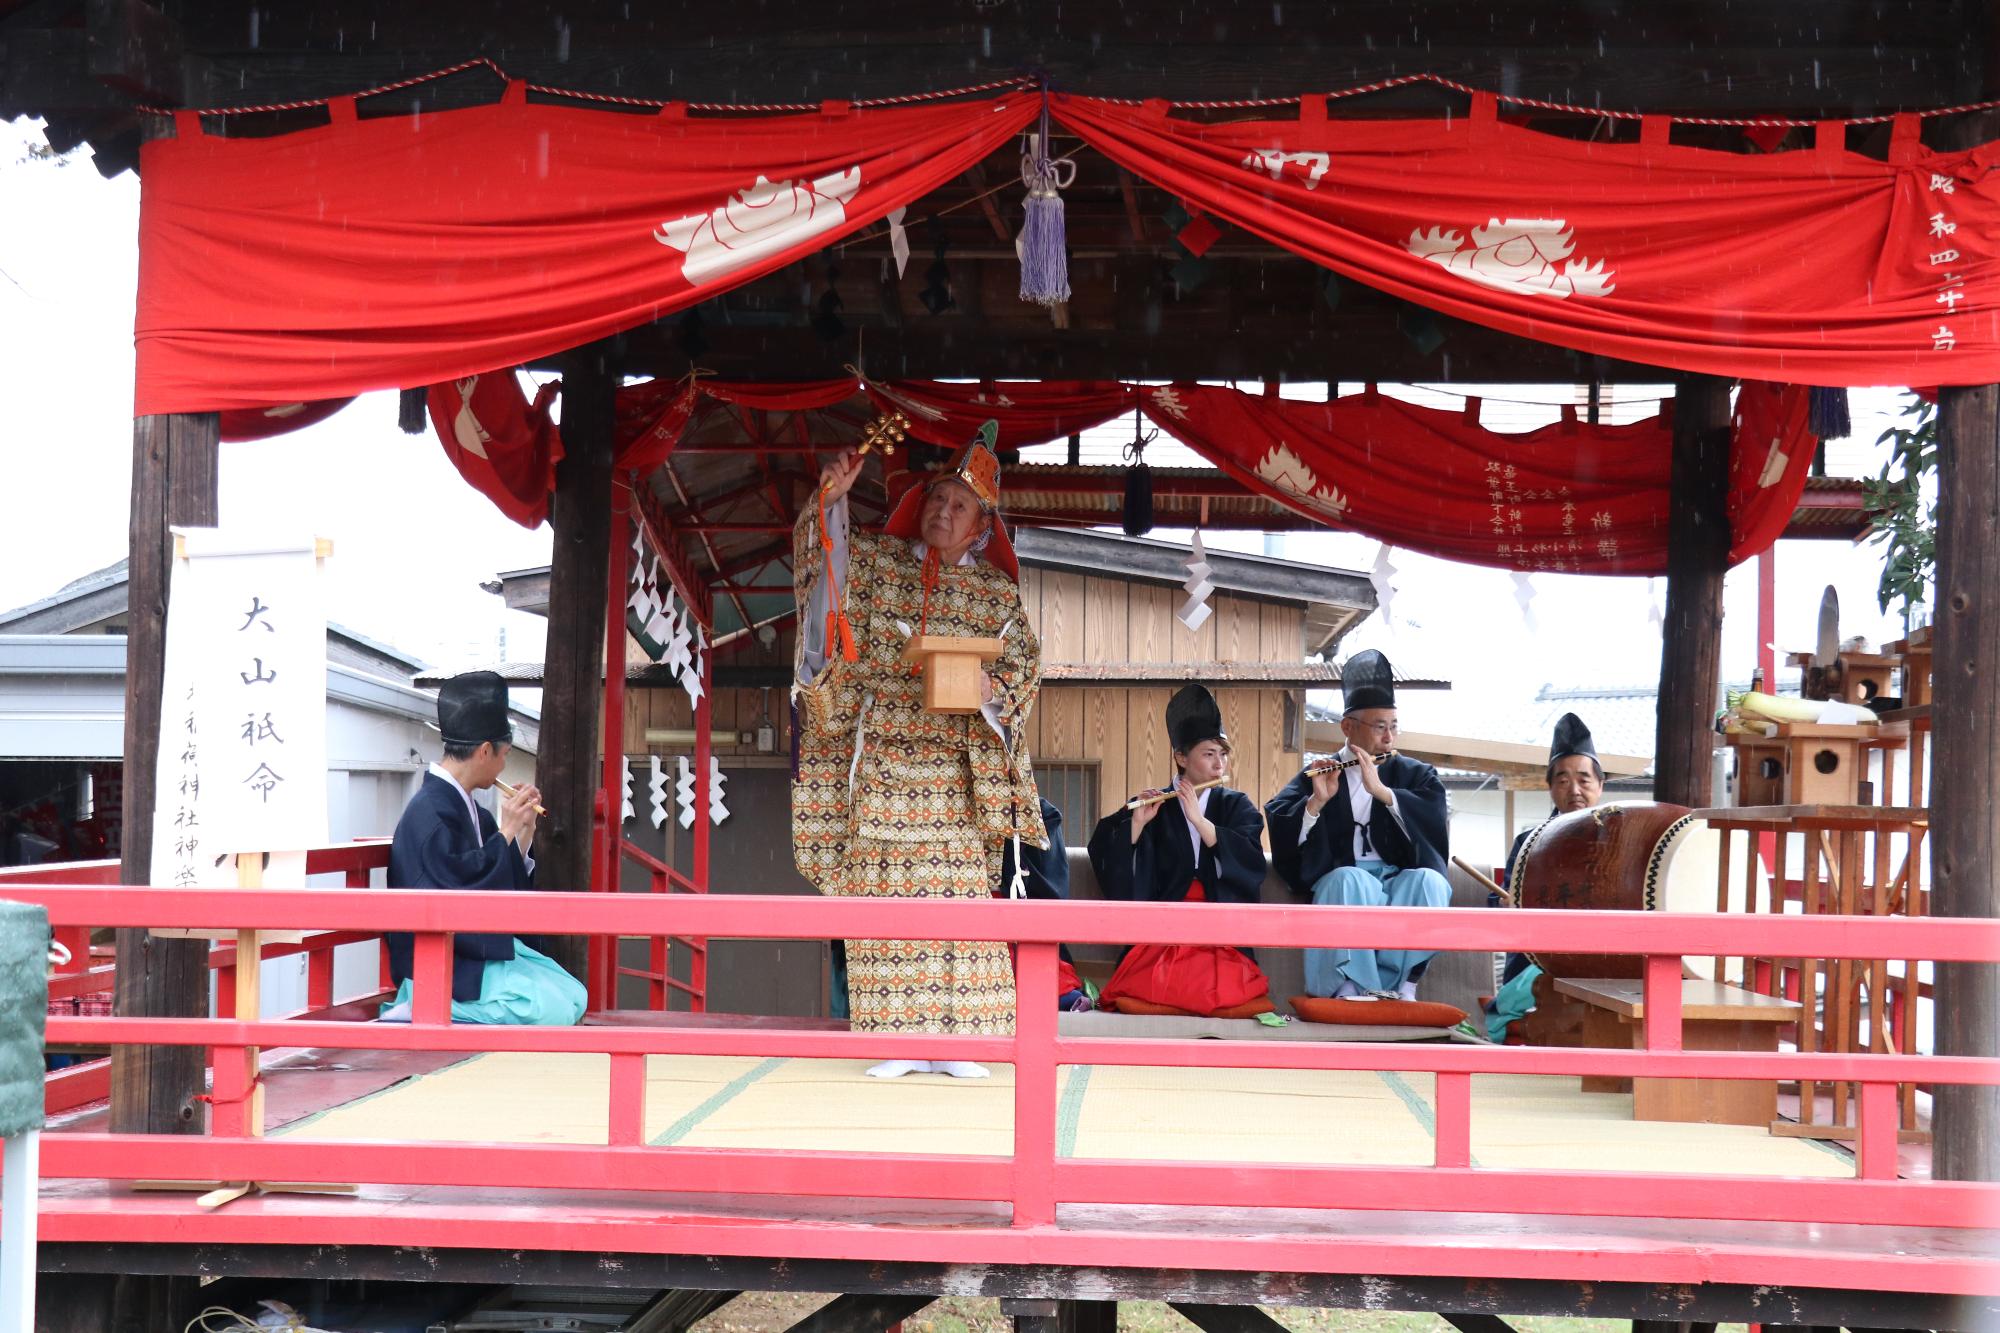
(893, 800)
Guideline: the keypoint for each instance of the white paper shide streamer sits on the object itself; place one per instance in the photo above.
(656, 790)
(717, 811)
(1195, 610)
(684, 792)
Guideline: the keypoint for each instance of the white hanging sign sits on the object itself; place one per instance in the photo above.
(242, 758)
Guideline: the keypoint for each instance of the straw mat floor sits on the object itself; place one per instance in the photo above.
(1244, 1115)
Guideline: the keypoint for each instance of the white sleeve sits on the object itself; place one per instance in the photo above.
(814, 648)
(1306, 822)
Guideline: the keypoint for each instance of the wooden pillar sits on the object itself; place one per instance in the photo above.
(1965, 819)
(1697, 557)
(173, 483)
(566, 769)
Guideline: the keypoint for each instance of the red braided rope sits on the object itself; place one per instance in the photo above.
(1022, 83)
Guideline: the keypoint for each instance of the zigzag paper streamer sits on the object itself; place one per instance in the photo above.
(691, 667)
(656, 789)
(1195, 610)
(626, 769)
(684, 792)
(717, 811)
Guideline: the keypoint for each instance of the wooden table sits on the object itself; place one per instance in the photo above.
(1714, 1017)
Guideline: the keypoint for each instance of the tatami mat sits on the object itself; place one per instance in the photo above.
(1230, 1115)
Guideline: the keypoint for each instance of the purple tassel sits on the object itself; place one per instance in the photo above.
(1043, 245)
(1828, 415)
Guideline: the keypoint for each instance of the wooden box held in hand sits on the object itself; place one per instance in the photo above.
(952, 669)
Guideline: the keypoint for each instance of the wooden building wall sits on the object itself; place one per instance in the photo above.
(1119, 729)
(1098, 619)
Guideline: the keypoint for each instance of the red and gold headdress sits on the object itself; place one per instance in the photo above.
(977, 468)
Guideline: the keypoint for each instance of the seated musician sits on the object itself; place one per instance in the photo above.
(1576, 782)
(446, 841)
(1371, 833)
(1193, 841)
(1045, 875)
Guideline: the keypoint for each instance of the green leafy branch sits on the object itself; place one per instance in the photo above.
(1905, 522)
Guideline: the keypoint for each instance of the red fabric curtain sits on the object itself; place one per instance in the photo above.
(261, 423)
(505, 446)
(411, 250)
(1817, 266)
(1572, 497)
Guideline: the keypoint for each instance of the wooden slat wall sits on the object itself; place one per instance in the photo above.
(1079, 618)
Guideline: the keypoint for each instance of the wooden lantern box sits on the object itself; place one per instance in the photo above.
(952, 669)
(1760, 770)
(1864, 677)
(1914, 656)
(1815, 764)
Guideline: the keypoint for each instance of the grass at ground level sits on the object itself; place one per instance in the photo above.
(772, 1312)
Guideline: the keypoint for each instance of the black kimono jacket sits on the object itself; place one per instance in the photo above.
(435, 848)
(1420, 799)
(1163, 864)
(1046, 869)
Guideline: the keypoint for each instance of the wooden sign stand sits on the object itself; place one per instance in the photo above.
(237, 1086)
(237, 1094)
(952, 669)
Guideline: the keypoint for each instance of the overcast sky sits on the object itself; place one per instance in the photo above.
(413, 542)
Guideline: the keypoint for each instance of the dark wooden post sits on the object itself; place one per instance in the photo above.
(566, 769)
(1965, 820)
(1697, 558)
(173, 483)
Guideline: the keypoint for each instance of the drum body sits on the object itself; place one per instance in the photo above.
(1631, 856)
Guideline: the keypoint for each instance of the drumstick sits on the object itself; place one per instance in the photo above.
(1505, 896)
(1168, 795)
(507, 789)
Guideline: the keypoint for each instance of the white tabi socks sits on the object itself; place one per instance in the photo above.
(955, 1068)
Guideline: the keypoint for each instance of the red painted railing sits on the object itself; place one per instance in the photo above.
(1034, 1180)
(660, 980)
(85, 975)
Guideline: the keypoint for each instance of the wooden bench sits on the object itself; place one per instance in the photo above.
(1714, 1017)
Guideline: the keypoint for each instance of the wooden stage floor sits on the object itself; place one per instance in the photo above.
(1249, 1116)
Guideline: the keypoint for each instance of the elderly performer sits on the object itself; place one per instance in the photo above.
(892, 800)
(1368, 834)
(1576, 779)
(446, 841)
(1193, 841)
(1576, 782)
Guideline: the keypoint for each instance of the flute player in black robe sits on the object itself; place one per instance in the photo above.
(1372, 834)
(446, 841)
(1196, 845)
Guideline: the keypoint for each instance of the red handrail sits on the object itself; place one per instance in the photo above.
(1033, 1180)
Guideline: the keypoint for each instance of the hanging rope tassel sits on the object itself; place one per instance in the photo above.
(1043, 246)
(413, 411)
(839, 630)
(1829, 417)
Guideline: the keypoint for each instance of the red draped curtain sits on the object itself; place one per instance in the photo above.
(1570, 496)
(402, 251)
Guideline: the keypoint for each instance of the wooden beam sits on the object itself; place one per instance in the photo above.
(1697, 558)
(136, 49)
(1227, 1318)
(1965, 820)
(572, 697)
(975, 176)
(1478, 1323)
(153, 1088)
(861, 1314)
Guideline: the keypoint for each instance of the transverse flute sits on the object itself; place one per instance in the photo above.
(508, 789)
(1170, 793)
(1336, 765)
